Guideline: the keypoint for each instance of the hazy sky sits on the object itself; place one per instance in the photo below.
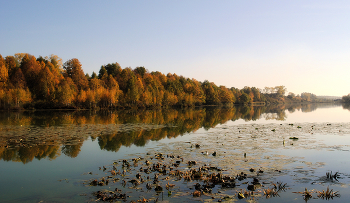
(303, 45)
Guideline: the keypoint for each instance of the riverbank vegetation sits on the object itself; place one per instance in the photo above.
(346, 99)
(47, 83)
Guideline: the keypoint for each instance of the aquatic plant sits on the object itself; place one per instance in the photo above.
(328, 194)
(197, 193)
(307, 194)
(330, 176)
(270, 192)
(211, 177)
(279, 186)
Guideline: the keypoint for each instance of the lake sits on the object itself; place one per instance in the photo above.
(249, 153)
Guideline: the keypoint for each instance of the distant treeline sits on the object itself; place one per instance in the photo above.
(346, 98)
(47, 82)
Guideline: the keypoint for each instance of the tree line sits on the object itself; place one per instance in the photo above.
(346, 98)
(47, 82)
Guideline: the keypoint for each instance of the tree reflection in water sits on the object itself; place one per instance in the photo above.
(46, 134)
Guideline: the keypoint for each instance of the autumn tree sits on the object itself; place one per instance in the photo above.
(30, 68)
(225, 95)
(308, 97)
(73, 69)
(55, 71)
(19, 57)
(257, 95)
(20, 96)
(211, 94)
(249, 93)
(280, 90)
(81, 98)
(66, 92)
(113, 89)
(11, 64)
(46, 85)
(56, 62)
(198, 92)
(95, 84)
(125, 76)
(3, 71)
(291, 95)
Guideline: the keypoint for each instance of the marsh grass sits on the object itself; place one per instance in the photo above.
(328, 194)
(331, 176)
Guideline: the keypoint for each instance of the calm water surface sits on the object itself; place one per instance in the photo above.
(47, 156)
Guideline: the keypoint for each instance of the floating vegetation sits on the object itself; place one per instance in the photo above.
(307, 194)
(270, 192)
(279, 186)
(242, 194)
(106, 195)
(208, 168)
(331, 176)
(207, 180)
(328, 194)
(224, 175)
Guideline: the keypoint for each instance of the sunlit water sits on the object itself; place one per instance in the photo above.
(63, 177)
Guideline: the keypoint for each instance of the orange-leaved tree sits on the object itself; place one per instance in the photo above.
(73, 69)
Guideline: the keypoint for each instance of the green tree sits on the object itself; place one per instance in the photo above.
(102, 72)
(211, 93)
(132, 93)
(93, 75)
(244, 98)
(113, 69)
(346, 98)
(140, 71)
(256, 94)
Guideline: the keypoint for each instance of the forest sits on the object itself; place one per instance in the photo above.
(48, 83)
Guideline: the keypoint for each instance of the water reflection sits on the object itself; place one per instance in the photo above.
(346, 106)
(47, 134)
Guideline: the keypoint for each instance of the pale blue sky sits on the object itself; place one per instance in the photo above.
(303, 45)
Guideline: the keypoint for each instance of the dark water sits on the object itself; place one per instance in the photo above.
(46, 156)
